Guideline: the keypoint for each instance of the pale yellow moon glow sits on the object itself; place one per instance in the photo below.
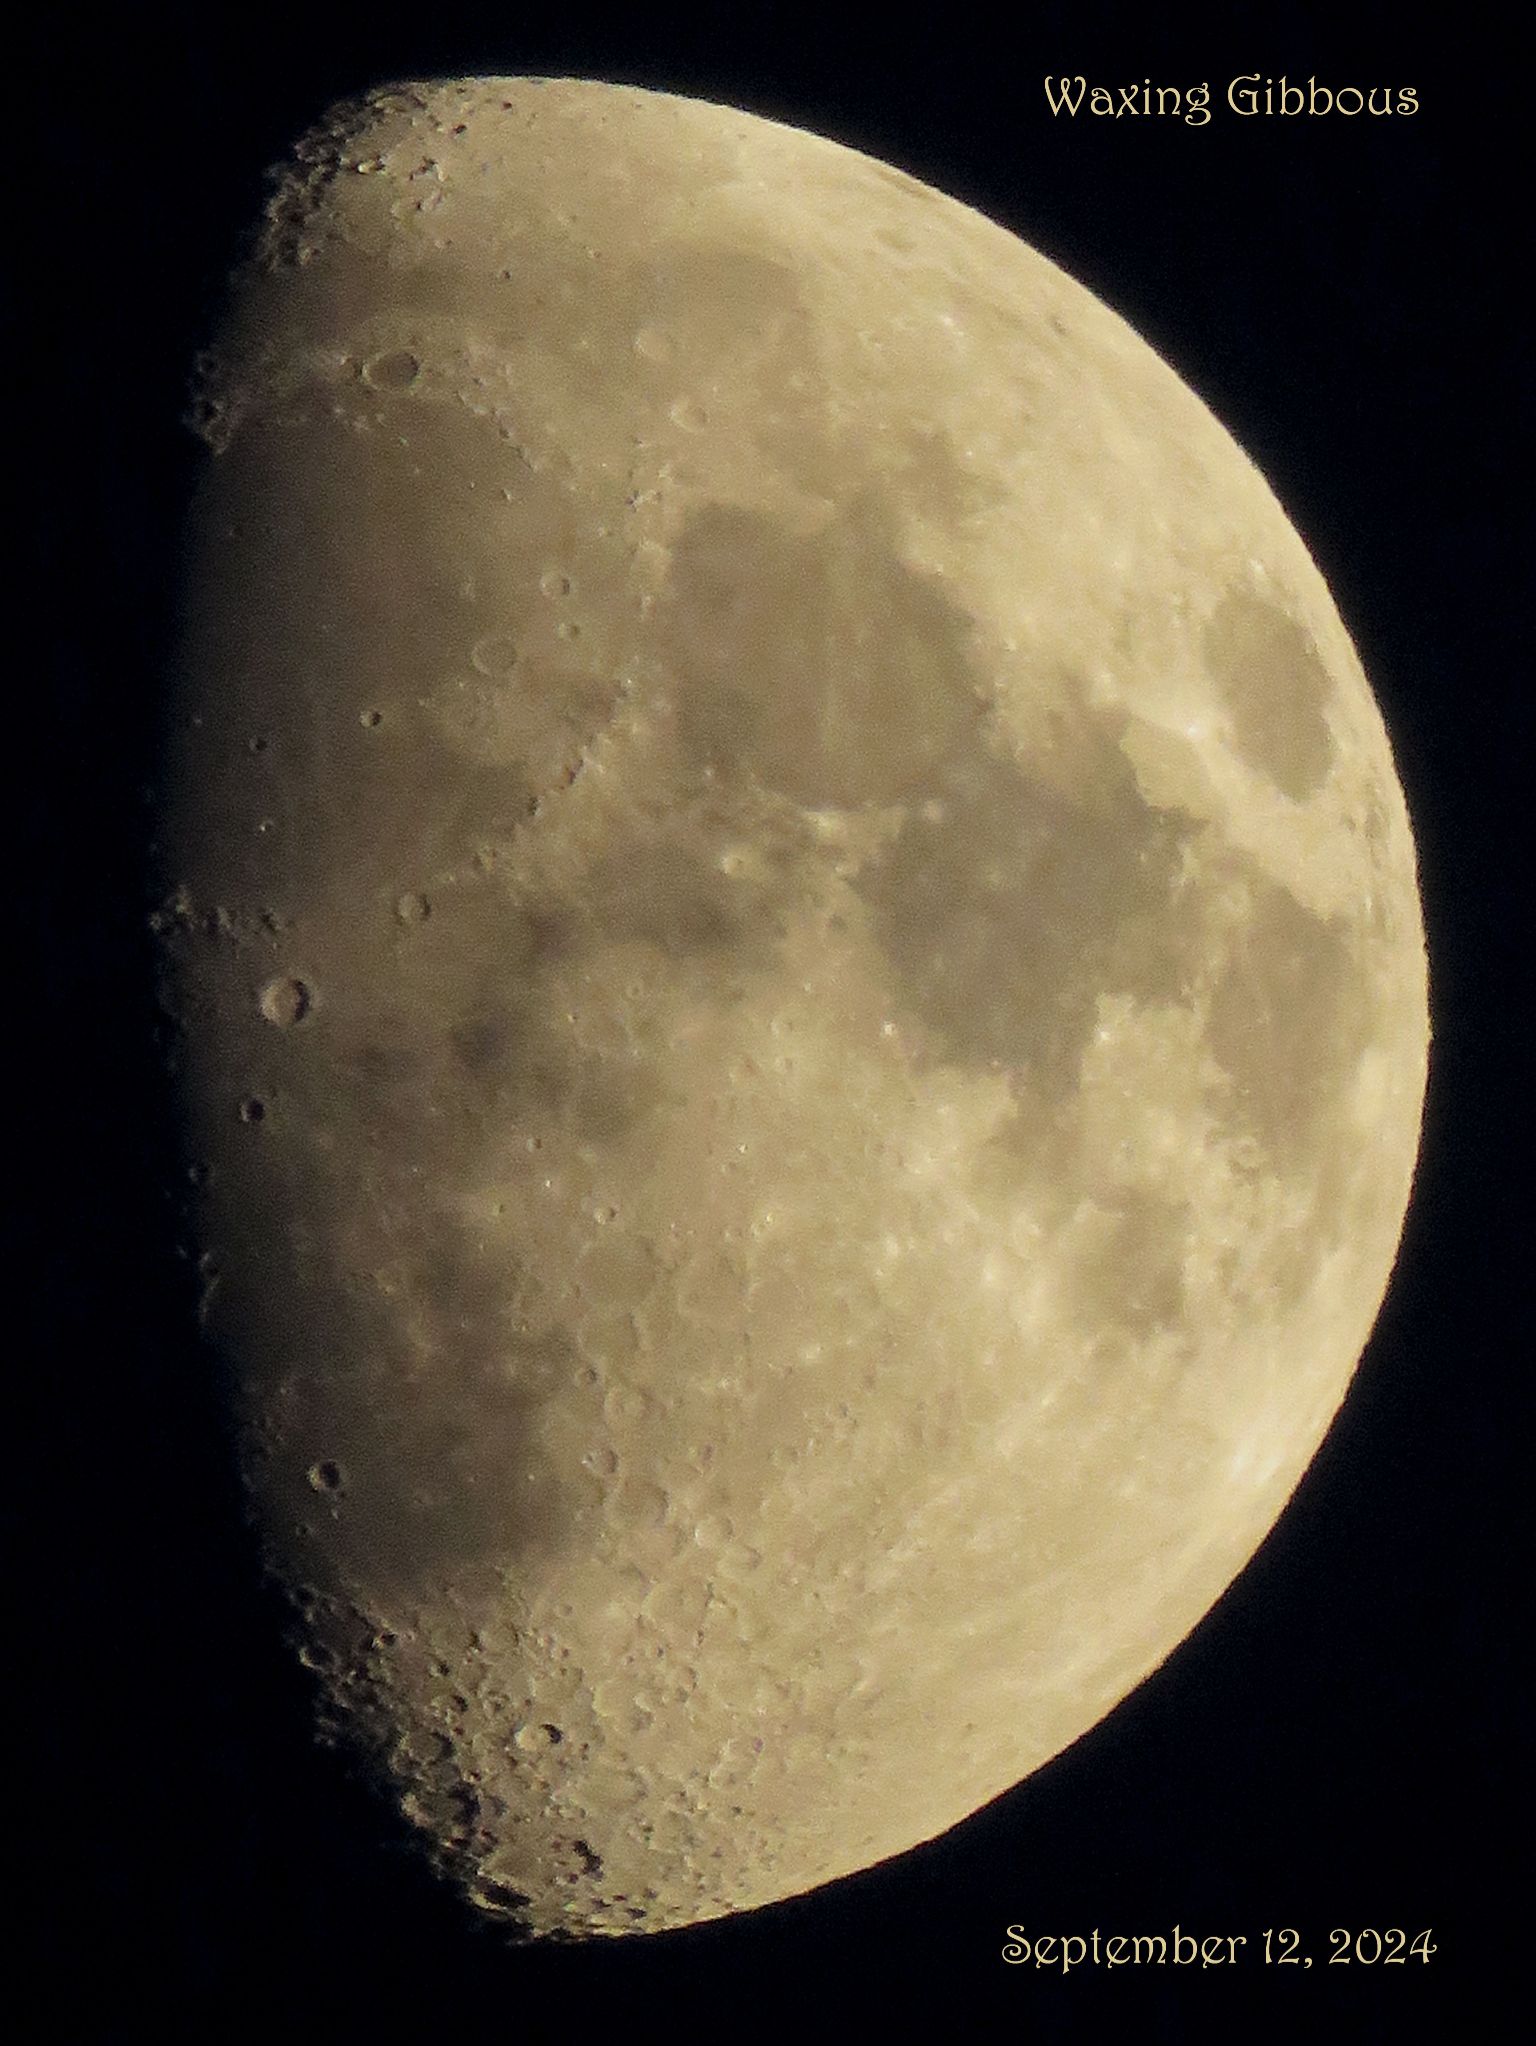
(803, 989)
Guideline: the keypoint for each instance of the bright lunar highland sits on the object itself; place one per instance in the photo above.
(801, 993)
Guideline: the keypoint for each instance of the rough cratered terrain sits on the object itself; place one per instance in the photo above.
(801, 982)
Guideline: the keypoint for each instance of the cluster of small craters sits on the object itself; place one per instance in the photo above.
(292, 229)
(178, 918)
(799, 1170)
(284, 1001)
(395, 370)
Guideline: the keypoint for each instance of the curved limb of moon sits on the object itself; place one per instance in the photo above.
(802, 981)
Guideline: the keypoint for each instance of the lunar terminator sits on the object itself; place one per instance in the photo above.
(803, 989)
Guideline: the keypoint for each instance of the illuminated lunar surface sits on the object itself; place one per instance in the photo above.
(802, 987)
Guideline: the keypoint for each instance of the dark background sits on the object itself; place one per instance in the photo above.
(1337, 1744)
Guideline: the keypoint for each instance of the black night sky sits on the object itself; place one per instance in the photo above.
(1337, 1745)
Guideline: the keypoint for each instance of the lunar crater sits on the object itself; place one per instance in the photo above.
(807, 1037)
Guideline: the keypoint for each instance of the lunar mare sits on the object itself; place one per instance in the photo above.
(802, 994)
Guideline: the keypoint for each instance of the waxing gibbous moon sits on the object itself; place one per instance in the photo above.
(802, 993)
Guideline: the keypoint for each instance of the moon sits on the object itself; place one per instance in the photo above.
(801, 997)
